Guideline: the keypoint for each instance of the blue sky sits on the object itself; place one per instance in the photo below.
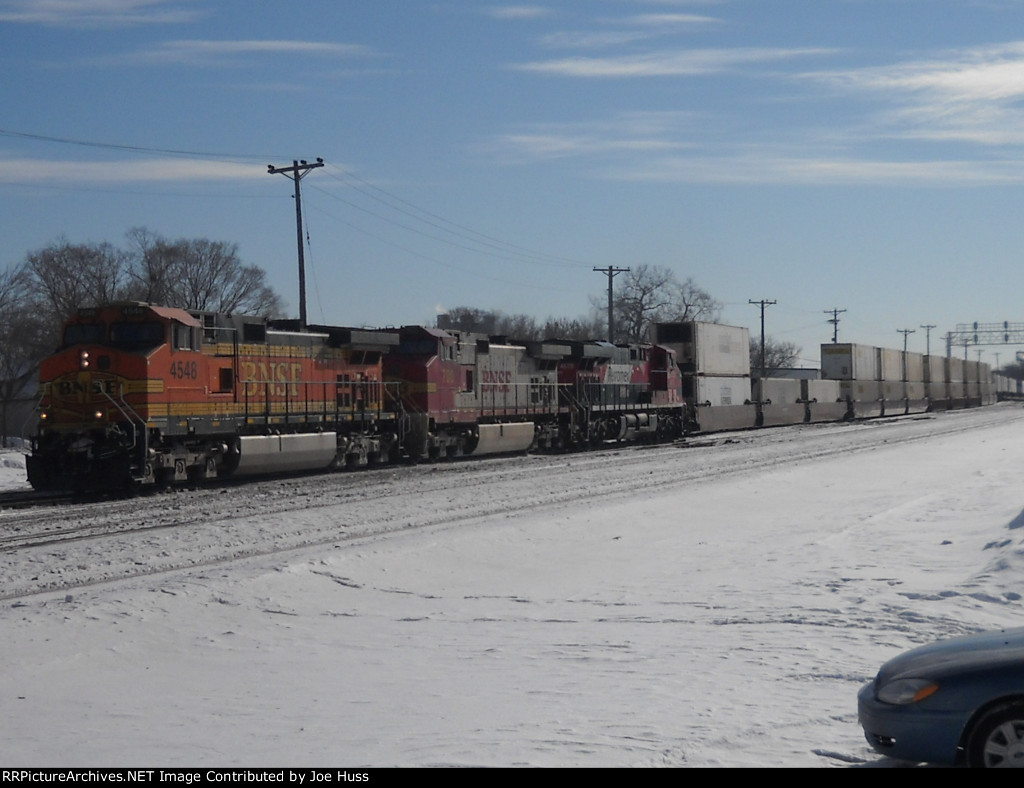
(865, 155)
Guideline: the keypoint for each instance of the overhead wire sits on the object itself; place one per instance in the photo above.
(507, 249)
(428, 258)
(133, 148)
(453, 233)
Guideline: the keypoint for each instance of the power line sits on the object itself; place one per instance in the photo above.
(131, 148)
(438, 222)
(429, 258)
(502, 248)
(471, 240)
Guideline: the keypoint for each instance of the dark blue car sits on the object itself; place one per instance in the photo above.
(952, 702)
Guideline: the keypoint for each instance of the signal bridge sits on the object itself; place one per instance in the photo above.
(1005, 333)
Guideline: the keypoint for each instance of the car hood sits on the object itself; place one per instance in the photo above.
(984, 651)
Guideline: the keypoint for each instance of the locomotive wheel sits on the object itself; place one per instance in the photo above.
(163, 478)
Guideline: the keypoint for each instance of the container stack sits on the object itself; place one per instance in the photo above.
(824, 400)
(714, 360)
(857, 369)
(914, 375)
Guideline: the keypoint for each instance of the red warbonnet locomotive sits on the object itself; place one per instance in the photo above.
(147, 394)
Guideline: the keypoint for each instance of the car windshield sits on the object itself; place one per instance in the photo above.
(85, 334)
(136, 336)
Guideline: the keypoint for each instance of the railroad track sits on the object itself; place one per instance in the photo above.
(209, 526)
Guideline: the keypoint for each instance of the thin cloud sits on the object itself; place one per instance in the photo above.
(514, 12)
(637, 132)
(96, 13)
(969, 95)
(43, 171)
(200, 52)
(690, 62)
(643, 27)
(974, 74)
(824, 171)
(663, 20)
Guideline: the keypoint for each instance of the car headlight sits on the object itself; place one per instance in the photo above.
(904, 691)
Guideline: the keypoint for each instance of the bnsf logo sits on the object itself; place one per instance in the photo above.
(278, 380)
(497, 378)
(67, 389)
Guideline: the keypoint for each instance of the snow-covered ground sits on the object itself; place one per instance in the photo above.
(678, 619)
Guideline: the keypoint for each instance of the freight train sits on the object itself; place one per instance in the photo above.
(144, 394)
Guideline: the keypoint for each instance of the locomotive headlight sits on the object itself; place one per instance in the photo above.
(98, 415)
(44, 416)
(84, 360)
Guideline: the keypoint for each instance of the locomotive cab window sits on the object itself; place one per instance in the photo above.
(85, 334)
(184, 337)
(226, 379)
(137, 336)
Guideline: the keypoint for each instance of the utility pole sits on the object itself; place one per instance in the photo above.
(760, 380)
(297, 172)
(762, 303)
(906, 333)
(610, 272)
(835, 322)
(928, 338)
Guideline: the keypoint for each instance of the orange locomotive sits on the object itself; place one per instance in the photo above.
(141, 393)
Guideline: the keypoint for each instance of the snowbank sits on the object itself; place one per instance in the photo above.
(723, 622)
(12, 471)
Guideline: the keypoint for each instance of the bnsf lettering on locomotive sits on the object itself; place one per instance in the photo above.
(497, 377)
(281, 379)
(78, 388)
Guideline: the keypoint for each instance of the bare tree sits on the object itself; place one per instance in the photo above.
(189, 273)
(653, 294)
(579, 329)
(198, 274)
(777, 355)
(519, 327)
(152, 266)
(23, 341)
(467, 318)
(65, 276)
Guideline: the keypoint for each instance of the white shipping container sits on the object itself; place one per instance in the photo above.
(892, 390)
(934, 369)
(780, 391)
(847, 361)
(914, 367)
(707, 348)
(717, 391)
(821, 390)
(915, 390)
(890, 364)
(861, 390)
